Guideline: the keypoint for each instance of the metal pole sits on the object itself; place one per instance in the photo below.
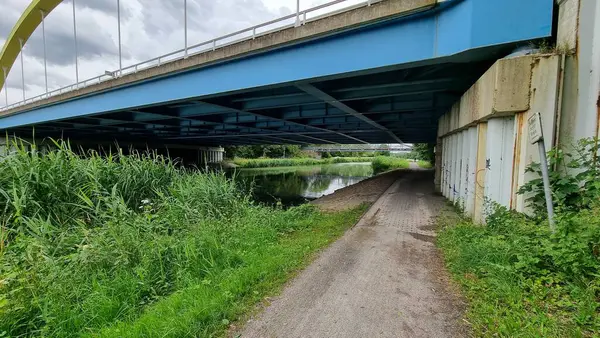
(297, 13)
(22, 69)
(44, 40)
(76, 52)
(185, 28)
(119, 33)
(546, 180)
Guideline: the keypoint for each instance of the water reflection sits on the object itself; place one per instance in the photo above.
(296, 185)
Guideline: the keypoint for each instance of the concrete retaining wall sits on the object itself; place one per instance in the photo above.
(482, 141)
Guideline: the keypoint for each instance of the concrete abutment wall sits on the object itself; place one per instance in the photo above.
(483, 147)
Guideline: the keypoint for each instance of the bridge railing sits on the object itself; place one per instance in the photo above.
(300, 18)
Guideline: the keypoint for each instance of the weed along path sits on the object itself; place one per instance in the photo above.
(383, 278)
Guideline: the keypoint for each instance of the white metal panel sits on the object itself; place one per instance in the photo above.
(471, 170)
(447, 165)
(451, 168)
(508, 158)
(459, 163)
(455, 168)
(443, 167)
(499, 160)
(457, 154)
(457, 190)
(463, 167)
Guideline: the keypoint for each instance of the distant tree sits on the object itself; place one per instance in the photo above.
(424, 152)
(256, 151)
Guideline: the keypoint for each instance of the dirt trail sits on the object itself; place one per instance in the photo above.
(383, 278)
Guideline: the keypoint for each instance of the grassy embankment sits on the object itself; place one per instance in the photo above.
(132, 246)
(288, 162)
(385, 163)
(523, 281)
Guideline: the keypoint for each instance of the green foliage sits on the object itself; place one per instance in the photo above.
(134, 246)
(406, 156)
(383, 163)
(574, 178)
(521, 278)
(424, 152)
(288, 162)
(257, 151)
(350, 154)
(382, 153)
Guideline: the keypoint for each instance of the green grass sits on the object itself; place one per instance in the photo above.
(424, 164)
(385, 163)
(523, 281)
(347, 170)
(207, 308)
(135, 246)
(288, 162)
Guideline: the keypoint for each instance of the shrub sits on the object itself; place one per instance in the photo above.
(424, 152)
(574, 178)
(523, 279)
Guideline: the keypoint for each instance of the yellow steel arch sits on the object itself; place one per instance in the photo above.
(28, 22)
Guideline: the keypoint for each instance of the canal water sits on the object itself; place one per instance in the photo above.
(296, 185)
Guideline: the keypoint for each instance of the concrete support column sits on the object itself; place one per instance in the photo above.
(579, 37)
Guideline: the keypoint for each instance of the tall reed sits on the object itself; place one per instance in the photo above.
(90, 242)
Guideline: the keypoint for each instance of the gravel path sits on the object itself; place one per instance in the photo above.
(383, 278)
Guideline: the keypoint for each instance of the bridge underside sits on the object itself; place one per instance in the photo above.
(383, 107)
(384, 83)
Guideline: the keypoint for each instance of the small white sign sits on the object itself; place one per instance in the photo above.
(535, 128)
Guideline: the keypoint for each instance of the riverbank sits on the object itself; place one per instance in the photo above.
(364, 192)
(290, 186)
(289, 162)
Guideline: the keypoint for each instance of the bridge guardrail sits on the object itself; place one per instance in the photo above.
(213, 44)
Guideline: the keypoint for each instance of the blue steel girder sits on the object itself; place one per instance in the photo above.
(316, 92)
(240, 120)
(263, 115)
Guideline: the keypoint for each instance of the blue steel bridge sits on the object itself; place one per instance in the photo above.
(379, 72)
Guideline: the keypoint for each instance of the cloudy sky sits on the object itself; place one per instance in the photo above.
(149, 28)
